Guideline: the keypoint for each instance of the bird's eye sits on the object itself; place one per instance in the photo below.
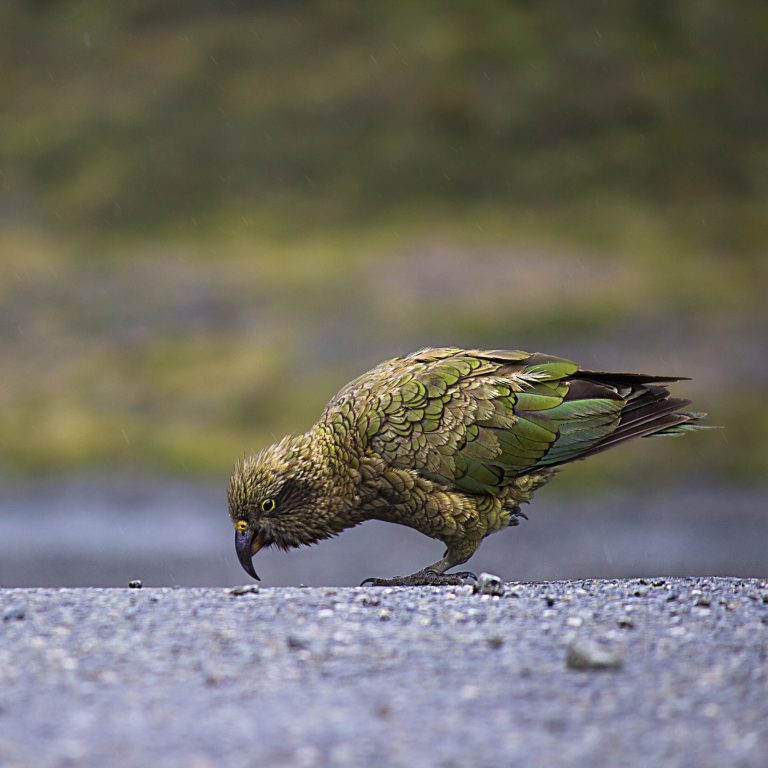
(241, 526)
(268, 505)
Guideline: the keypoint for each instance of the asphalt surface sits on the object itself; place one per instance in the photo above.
(105, 531)
(650, 672)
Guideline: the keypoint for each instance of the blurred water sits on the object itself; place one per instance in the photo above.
(105, 532)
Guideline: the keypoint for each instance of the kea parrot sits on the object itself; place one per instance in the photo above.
(447, 441)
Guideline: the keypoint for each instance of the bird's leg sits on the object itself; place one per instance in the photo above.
(434, 575)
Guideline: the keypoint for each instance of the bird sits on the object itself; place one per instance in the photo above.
(448, 441)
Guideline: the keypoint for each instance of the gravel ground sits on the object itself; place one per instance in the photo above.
(639, 672)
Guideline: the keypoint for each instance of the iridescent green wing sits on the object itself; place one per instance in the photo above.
(533, 415)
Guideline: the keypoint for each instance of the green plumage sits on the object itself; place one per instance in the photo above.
(449, 442)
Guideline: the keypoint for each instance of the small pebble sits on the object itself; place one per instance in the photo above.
(368, 600)
(296, 643)
(14, 613)
(245, 589)
(488, 584)
(586, 654)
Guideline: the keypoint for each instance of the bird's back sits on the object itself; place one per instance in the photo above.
(476, 420)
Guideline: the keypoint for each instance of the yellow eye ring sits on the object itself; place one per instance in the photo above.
(268, 505)
(241, 526)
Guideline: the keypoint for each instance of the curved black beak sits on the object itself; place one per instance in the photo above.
(246, 547)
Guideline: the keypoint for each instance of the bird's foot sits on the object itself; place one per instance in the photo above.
(425, 578)
(514, 518)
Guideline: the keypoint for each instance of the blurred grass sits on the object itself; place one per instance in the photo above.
(213, 216)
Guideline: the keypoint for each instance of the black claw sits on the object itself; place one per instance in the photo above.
(464, 575)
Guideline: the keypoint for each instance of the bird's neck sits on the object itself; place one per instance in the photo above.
(337, 464)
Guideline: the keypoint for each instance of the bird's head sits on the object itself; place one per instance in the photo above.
(277, 497)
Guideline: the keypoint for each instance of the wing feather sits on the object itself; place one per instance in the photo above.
(475, 420)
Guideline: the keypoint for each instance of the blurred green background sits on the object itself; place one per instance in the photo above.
(215, 214)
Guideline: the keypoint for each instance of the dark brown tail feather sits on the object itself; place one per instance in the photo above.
(649, 411)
